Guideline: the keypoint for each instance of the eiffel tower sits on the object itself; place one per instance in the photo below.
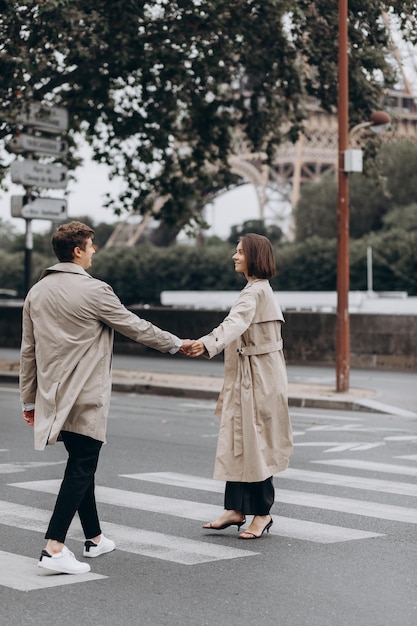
(306, 161)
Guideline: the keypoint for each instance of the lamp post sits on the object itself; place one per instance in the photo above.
(348, 161)
(342, 322)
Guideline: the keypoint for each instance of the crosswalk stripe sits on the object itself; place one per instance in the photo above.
(298, 498)
(371, 466)
(354, 482)
(18, 466)
(401, 438)
(352, 428)
(283, 526)
(133, 540)
(22, 574)
(339, 447)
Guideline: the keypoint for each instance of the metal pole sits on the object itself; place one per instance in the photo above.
(343, 325)
(28, 255)
(369, 269)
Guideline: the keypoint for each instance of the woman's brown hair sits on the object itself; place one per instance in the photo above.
(259, 255)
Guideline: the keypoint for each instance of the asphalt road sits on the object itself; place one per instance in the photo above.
(341, 552)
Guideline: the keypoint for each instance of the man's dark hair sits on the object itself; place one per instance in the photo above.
(69, 236)
(259, 255)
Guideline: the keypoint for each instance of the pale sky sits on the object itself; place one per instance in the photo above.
(86, 197)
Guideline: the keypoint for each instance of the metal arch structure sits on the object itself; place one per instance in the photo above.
(127, 233)
(278, 186)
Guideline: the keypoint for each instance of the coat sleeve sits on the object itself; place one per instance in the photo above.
(114, 314)
(234, 325)
(27, 375)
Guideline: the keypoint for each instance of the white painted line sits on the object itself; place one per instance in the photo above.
(169, 547)
(287, 527)
(371, 466)
(23, 574)
(402, 438)
(363, 508)
(313, 531)
(134, 540)
(175, 479)
(353, 428)
(336, 418)
(340, 447)
(408, 457)
(298, 498)
(18, 466)
(353, 482)
(386, 408)
(317, 444)
(363, 446)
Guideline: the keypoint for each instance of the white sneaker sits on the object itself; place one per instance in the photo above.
(92, 549)
(64, 562)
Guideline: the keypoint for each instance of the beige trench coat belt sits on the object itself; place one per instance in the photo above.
(274, 346)
(245, 415)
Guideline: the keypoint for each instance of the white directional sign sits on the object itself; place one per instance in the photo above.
(39, 208)
(34, 174)
(39, 145)
(43, 117)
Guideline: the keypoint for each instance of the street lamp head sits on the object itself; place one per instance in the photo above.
(379, 122)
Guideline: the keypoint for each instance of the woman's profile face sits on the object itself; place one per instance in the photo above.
(240, 260)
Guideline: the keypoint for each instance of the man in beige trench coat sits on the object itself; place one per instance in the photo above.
(69, 320)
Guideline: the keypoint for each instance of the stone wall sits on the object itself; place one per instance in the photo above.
(377, 341)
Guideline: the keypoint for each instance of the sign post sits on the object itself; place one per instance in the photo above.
(28, 255)
(54, 209)
(33, 119)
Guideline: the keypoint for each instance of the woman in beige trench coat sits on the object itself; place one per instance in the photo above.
(255, 438)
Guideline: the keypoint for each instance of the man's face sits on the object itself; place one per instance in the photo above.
(85, 256)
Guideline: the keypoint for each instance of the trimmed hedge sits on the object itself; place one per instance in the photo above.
(139, 274)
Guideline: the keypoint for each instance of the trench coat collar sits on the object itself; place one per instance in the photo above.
(69, 268)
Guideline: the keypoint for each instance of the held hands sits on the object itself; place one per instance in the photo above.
(192, 348)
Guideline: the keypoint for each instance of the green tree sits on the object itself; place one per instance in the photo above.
(7, 235)
(404, 218)
(161, 90)
(272, 231)
(372, 199)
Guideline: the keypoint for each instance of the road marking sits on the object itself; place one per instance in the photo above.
(23, 574)
(340, 447)
(18, 466)
(353, 482)
(133, 540)
(402, 438)
(408, 457)
(283, 526)
(371, 466)
(356, 428)
(321, 417)
(298, 498)
(340, 480)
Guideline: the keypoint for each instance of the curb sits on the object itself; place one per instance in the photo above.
(153, 387)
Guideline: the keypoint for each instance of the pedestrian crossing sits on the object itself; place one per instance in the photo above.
(20, 572)
(187, 509)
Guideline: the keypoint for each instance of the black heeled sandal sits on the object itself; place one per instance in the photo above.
(253, 536)
(238, 524)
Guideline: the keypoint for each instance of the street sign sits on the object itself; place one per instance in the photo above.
(34, 174)
(39, 145)
(54, 209)
(43, 117)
